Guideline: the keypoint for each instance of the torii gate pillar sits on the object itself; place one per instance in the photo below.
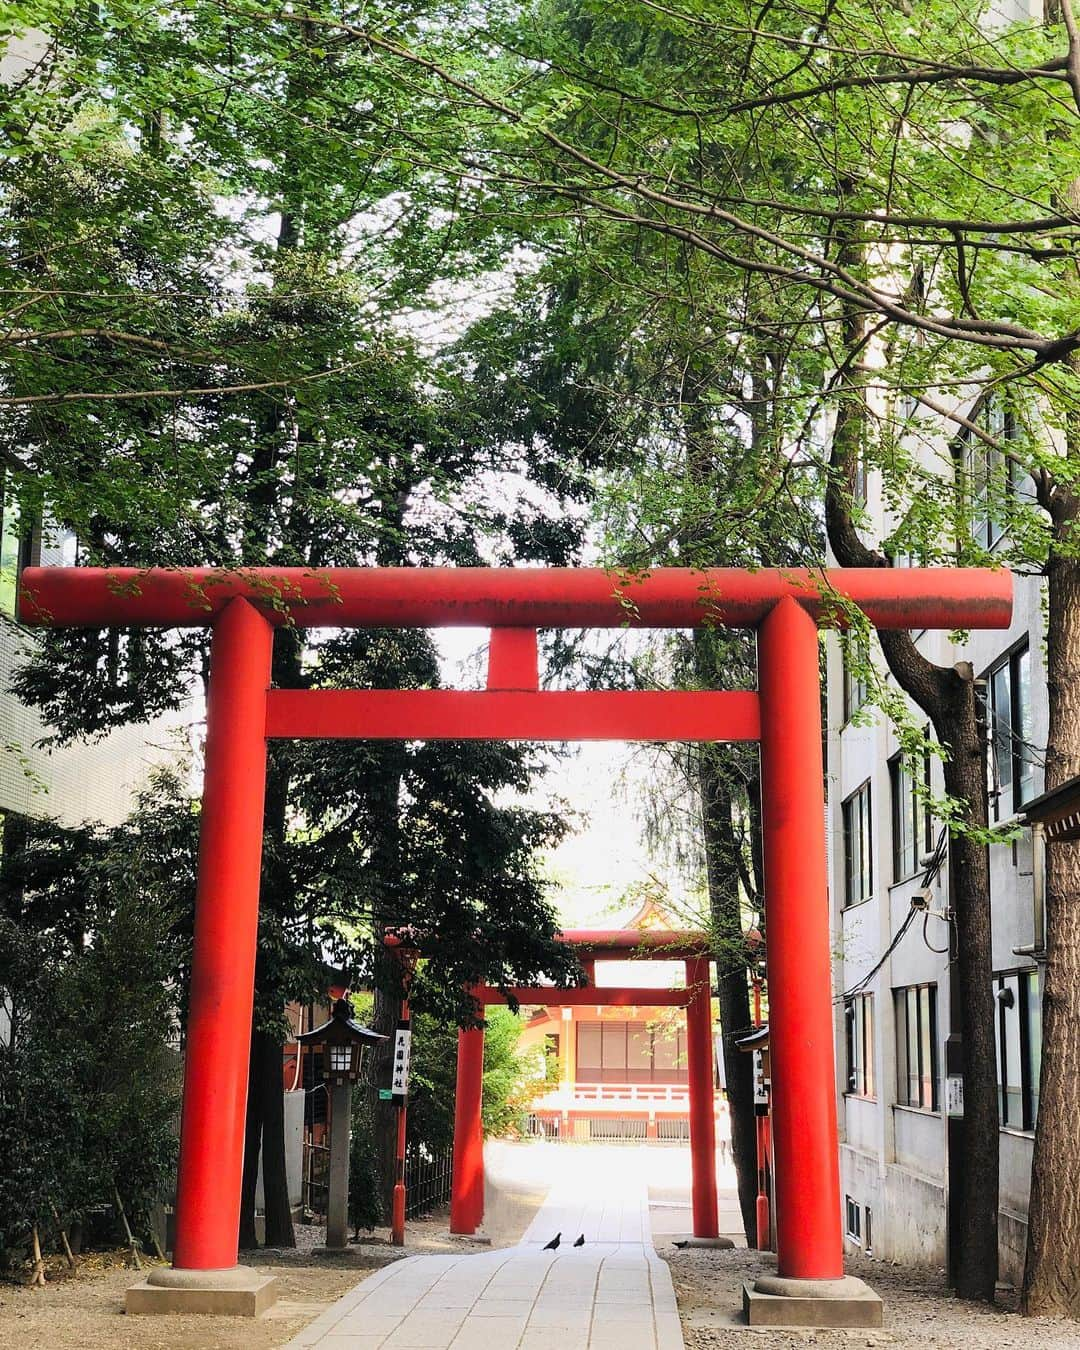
(467, 1181)
(700, 1075)
(810, 1287)
(205, 1276)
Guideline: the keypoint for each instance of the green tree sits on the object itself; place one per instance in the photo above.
(881, 181)
(299, 432)
(92, 950)
(510, 1078)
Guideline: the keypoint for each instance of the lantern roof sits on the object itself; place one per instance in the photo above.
(341, 1029)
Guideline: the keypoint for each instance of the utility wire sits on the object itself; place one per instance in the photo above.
(933, 866)
(941, 951)
(861, 984)
(937, 861)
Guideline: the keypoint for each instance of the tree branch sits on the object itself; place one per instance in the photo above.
(842, 285)
(123, 395)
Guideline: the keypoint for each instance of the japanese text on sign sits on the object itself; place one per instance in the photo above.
(399, 1082)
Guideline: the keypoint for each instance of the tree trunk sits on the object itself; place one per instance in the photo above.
(132, 1243)
(389, 910)
(949, 698)
(69, 1255)
(279, 1225)
(384, 1113)
(1052, 1275)
(961, 729)
(37, 1274)
(1052, 1270)
(733, 990)
(252, 1142)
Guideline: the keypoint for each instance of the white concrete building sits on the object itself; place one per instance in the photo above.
(894, 1091)
(92, 781)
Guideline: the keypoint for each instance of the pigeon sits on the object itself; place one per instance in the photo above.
(550, 1246)
(581, 1241)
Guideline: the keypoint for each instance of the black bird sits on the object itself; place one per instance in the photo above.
(550, 1246)
(581, 1241)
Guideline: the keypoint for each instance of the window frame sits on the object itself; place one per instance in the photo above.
(1008, 797)
(855, 688)
(912, 809)
(672, 1070)
(922, 1037)
(1027, 997)
(852, 1220)
(859, 1042)
(978, 464)
(855, 692)
(862, 794)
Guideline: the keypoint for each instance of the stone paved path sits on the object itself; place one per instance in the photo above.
(614, 1293)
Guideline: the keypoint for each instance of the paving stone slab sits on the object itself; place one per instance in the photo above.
(613, 1293)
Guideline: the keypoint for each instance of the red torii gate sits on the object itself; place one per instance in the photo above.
(592, 945)
(243, 606)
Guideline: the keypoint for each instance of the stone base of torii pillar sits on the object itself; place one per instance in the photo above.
(773, 1301)
(240, 1291)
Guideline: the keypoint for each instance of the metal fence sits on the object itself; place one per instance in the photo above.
(543, 1127)
(617, 1129)
(607, 1129)
(427, 1179)
(316, 1178)
(673, 1130)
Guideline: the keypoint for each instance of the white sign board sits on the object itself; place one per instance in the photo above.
(399, 1083)
(954, 1095)
(761, 1090)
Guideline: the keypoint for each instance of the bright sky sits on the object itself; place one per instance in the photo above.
(602, 786)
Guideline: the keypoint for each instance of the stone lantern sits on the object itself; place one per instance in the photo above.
(344, 1044)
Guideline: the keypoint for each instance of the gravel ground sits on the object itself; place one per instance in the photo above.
(919, 1310)
(85, 1311)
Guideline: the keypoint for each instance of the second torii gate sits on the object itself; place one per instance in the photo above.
(243, 607)
(592, 945)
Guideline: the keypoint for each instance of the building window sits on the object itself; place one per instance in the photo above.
(18, 549)
(859, 483)
(988, 476)
(859, 1023)
(858, 863)
(1012, 760)
(916, 1046)
(1019, 1047)
(630, 1052)
(853, 654)
(854, 691)
(911, 822)
(9, 554)
(852, 1216)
